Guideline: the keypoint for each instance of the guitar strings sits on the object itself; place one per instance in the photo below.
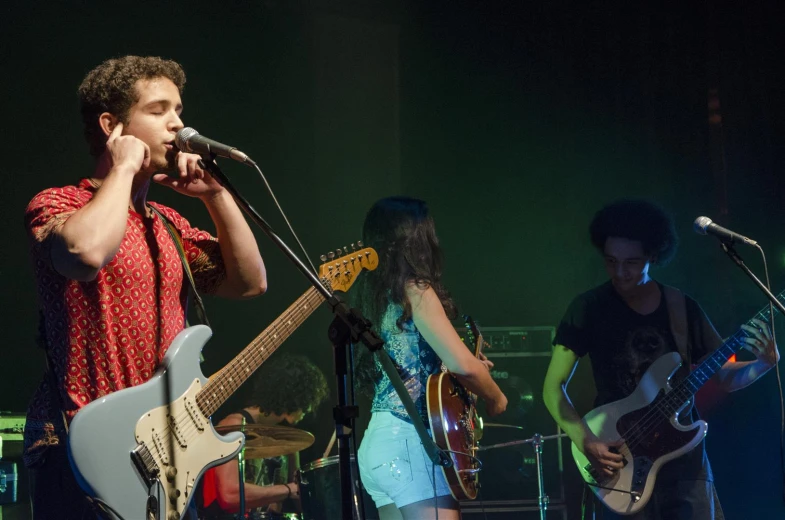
(281, 327)
(660, 409)
(663, 408)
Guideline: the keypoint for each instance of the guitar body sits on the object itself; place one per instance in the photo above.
(453, 428)
(664, 439)
(116, 444)
(140, 452)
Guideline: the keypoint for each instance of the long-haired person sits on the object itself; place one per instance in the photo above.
(411, 310)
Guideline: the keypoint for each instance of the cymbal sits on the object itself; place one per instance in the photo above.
(262, 441)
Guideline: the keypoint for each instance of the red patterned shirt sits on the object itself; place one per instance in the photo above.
(110, 333)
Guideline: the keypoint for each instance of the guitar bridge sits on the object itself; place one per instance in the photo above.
(145, 464)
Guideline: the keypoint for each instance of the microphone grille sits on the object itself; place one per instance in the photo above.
(700, 225)
(182, 137)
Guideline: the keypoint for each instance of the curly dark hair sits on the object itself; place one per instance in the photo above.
(286, 383)
(637, 219)
(402, 232)
(111, 87)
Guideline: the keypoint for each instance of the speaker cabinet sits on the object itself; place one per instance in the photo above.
(510, 472)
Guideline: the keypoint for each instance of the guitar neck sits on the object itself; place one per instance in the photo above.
(685, 390)
(229, 378)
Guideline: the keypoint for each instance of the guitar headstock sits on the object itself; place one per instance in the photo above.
(474, 334)
(341, 268)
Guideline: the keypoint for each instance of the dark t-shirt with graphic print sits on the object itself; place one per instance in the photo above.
(622, 344)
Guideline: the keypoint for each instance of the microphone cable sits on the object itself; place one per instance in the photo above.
(776, 371)
(285, 218)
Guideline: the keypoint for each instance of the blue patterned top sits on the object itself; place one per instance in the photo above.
(409, 350)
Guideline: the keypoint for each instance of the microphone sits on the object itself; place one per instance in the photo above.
(704, 226)
(189, 140)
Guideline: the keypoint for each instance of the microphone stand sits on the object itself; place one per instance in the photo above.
(727, 247)
(348, 325)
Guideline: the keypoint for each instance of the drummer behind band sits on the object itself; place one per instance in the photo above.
(285, 388)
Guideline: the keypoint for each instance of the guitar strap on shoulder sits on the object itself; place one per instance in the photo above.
(178, 242)
(677, 312)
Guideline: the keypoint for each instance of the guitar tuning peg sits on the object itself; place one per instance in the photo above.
(353, 248)
(338, 252)
(359, 243)
(330, 255)
(345, 250)
(323, 258)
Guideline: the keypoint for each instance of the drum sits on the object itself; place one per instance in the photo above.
(320, 491)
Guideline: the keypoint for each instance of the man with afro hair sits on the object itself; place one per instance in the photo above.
(626, 324)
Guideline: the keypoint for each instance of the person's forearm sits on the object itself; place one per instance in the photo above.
(245, 272)
(91, 237)
(735, 376)
(563, 412)
(255, 496)
(480, 382)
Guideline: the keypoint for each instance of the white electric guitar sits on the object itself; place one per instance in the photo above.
(139, 452)
(648, 421)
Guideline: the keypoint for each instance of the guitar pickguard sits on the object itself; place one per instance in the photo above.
(652, 435)
(181, 442)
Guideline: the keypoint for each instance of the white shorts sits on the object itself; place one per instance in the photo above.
(394, 467)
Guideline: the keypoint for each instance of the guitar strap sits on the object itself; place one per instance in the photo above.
(677, 312)
(178, 242)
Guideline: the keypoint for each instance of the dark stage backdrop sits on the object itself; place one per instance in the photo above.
(515, 120)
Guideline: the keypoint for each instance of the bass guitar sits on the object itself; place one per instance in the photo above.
(648, 421)
(455, 425)
(140, 452)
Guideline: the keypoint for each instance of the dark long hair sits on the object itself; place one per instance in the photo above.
(402, 232)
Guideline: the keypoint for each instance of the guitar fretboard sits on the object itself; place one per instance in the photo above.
(229, 378)
(685, 390)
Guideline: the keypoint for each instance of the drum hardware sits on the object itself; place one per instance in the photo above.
(262, 442)
(536, 441)
(320, 495)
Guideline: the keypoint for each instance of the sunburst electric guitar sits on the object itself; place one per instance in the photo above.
(140, 452)
(648, 421)
(455, 425)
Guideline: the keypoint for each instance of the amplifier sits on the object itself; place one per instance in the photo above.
(513, 510)
(9, 479)
(521, 356)
(519, 339)
(12, 428)
(508, 480)
(536, 339)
